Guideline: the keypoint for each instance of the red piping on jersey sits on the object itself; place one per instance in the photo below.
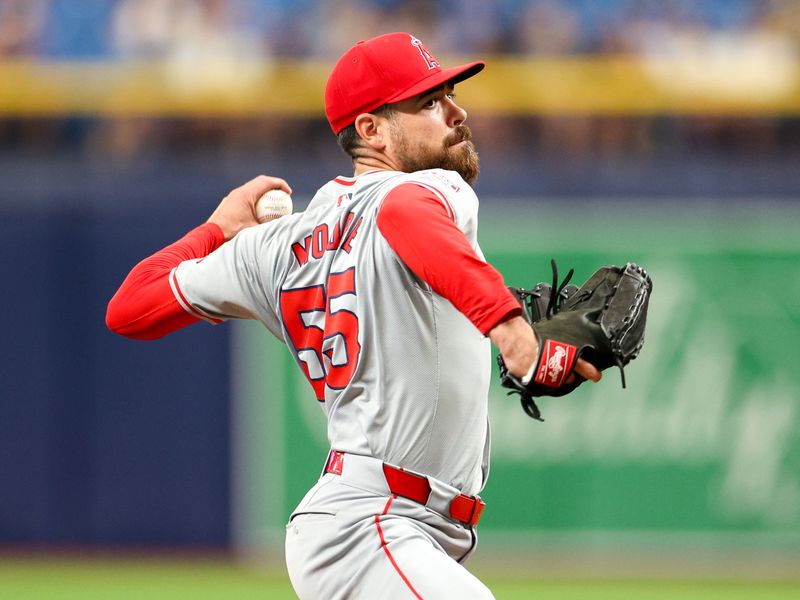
(389, 553)
(348, 181)
(181, 298)
(416, 224)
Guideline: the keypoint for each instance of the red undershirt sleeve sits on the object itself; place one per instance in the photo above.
(419, 228)
(144, 306)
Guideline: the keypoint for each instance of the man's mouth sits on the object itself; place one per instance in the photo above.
(459, 137)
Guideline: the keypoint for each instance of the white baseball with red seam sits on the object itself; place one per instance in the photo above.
(273, 205)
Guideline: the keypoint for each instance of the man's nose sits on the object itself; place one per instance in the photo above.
(457, 115)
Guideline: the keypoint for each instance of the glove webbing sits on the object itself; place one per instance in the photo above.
(557, 295)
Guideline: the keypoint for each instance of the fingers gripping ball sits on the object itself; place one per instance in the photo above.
(273, 205)
(602, 322)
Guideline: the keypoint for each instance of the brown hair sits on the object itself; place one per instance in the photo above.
(349, 140)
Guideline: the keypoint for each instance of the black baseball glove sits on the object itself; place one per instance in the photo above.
(602, 322)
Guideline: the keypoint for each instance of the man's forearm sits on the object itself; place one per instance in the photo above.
(145, 306)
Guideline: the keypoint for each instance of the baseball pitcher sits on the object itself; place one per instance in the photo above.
(382, 295)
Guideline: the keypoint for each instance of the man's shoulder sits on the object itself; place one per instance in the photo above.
(449, 187)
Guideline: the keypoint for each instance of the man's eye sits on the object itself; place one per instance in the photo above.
(431, 103)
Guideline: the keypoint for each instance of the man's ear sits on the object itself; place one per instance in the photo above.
(372, 129)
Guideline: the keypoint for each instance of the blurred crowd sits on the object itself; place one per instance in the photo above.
(201, 31)
(148, 28)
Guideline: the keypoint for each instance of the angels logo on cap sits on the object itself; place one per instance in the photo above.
(383, 70)
(429, 58)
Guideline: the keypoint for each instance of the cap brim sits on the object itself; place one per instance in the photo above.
(453, 75)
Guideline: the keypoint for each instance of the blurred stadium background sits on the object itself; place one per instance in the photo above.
(665, 132)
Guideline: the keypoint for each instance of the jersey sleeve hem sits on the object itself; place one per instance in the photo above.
(185, 304)
(148, 304)
(508, 309)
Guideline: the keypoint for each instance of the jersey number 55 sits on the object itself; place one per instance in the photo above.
(322, 325)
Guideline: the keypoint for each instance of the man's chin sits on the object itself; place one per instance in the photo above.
(461, 158)
(470, 175)
(465, 161)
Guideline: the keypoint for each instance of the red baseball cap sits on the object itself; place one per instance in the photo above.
(388, 68)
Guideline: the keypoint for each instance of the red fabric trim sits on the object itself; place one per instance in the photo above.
(389, 553)
(144, 306)
(348, 181)
(388, 504)
(185, 304)
(417, 227)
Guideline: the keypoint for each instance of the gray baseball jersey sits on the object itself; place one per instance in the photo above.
(402, 374)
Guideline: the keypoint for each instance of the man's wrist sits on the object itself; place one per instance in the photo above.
(216, 230)
(526, 379)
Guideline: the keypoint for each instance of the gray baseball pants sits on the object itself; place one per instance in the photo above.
(351, 538)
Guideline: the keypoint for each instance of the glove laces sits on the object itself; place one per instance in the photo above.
(554, 304)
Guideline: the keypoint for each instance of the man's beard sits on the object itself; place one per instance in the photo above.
(463, 160)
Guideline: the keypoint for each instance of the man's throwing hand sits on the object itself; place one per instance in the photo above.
(237, 210)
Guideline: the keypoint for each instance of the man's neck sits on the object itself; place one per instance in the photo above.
(362, 164)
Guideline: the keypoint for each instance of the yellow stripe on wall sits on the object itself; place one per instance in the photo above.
(603, 86)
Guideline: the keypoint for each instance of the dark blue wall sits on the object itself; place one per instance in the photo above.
(104, 439)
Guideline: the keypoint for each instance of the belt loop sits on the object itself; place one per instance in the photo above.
(335, 462)
(477, 511)
(467, 509)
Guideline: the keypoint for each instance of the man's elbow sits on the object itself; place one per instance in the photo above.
(121, 323)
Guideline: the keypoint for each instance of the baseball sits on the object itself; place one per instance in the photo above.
(273, 205)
